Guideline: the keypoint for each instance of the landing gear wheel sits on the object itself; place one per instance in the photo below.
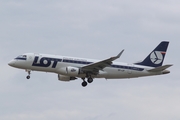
(29, 72)
(84, 84)
(28, 77)
(90, 80)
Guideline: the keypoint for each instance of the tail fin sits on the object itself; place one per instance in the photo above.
(156, 57)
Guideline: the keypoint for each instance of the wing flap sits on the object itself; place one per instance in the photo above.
(161, 68)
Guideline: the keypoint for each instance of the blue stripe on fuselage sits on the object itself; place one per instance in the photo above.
(77, 62)
(113, 66)
(127, 67)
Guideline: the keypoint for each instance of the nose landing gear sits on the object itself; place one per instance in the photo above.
(28, 77)
(29, 72)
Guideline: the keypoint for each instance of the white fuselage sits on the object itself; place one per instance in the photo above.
(54, 64)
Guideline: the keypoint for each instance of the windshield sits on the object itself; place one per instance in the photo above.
(21, 57)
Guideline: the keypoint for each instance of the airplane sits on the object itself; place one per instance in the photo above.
(71, 68)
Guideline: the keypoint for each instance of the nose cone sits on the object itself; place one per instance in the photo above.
(11, 63)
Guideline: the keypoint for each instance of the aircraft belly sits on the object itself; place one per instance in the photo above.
(116, 73)
(124, 73)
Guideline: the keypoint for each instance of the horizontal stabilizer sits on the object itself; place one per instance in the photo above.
(161, 68)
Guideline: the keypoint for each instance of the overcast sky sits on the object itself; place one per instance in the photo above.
(95, 29)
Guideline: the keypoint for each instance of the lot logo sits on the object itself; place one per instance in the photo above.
(45, 62)
(156, 57)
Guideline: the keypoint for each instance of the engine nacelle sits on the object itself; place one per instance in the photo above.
(65, 78)
(70, 71)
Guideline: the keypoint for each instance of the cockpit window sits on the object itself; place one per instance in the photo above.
(24, 56)
(21, 57)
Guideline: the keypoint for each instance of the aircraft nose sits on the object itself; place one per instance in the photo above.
(11, 63)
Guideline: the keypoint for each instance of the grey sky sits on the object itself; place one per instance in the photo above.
(91, 29)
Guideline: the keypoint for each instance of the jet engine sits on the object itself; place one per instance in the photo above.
(65, 78)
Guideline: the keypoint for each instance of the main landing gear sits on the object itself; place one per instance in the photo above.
(29, 72)
(89, 80)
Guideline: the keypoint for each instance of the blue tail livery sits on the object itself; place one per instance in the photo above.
(156, 57)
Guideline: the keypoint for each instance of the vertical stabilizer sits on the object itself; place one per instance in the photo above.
(156, 57)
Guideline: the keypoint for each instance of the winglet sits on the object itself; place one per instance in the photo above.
(118, 56)
(120, 53)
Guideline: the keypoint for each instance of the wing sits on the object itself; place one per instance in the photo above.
(95, 67)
